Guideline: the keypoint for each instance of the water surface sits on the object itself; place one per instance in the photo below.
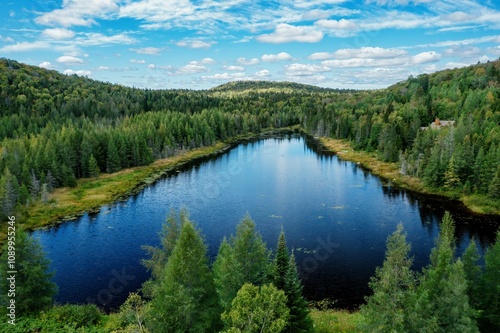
(336, 217)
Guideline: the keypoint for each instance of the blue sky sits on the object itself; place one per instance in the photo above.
(199, 44)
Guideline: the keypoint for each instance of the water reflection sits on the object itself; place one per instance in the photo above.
(336, 216)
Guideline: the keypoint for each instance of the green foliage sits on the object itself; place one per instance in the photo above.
(132, 314)
(34, 289)
(257, 309)
(76, 315)
(489, 320)
(281, 263)
(186, 300)
(389, 308)
(93, 168)
(473, 273)
(244, 259)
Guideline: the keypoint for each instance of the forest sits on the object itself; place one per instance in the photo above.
(58, 130)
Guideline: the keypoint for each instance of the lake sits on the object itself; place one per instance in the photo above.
(336, 217)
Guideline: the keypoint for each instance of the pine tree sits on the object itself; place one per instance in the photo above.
(257, 309)
(451, 179)
(281, 262)
(93, 168)
(34, 288)
(494, 188)
(186, 300)
(300, 321)
(489, 320)
(393, 287)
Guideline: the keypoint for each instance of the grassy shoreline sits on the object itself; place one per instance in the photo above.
(91, 194)
(343, 149)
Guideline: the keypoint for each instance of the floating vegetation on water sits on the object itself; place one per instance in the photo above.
(319, 217)
(304, 250)
(338, 207)
(276, 216)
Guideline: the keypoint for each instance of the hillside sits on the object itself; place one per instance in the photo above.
(56, 129)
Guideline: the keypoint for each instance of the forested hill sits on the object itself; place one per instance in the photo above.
(56, 128)
(269, 86)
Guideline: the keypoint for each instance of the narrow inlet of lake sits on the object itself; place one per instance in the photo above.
(336, 217)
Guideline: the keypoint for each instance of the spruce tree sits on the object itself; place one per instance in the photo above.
(299, 321)
(473, 273)
(393, 287)
(34, 290)
(93, 168)
(228, 275)
(490, 296)
(186, 300)
(281, 262)
(112, 159)
(445, 284)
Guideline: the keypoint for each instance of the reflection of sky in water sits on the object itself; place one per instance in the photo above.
(335, 215)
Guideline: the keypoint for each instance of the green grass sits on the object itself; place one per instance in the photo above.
(335, 321)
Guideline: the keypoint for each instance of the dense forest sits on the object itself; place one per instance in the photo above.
(55, 128)
(250, 288)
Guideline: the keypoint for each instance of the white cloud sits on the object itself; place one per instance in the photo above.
(208, 61)
(462, 51)
(6, 39)
(194, 44)
(340, 28)
(58, 33)
(25, 47)
(147, 50)
(46, 65)
(94, 38)
(79, 73)
(320, 56)
(137, 61)
(192, 68)
(224, 76)
(276, 57)
(368, 52)
(426, 57)
(304, 69)
(69, 60)
(247, 62)
(494, 50)
(286, 33)
(459, 16)
(151, 66)
(262, 73)
(233, 68)
(78, 13)
(314, 3)
(103, 68)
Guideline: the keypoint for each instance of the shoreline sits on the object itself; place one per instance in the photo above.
(90, 194)
(477, 204)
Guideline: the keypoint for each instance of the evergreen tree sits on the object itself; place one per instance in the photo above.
(489, 320)
(34, 290)
(393, 287)
(186, 300)
(112, 159)
(257, 310)
(281, 262)
(473, 273)
(300, 321)
(228, 275)
(445, 284)
(93, 168)
(494, 188)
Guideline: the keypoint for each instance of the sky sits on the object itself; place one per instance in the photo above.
(199, 44)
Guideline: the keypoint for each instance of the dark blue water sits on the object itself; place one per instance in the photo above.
(335, 215)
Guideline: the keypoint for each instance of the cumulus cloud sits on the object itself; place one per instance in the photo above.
(247, 62)
(69, 60)
(192, 68)
(286, 33)
(426, 57)
(304, 69)
(58, 33)
(77, 13)
(25, 47)
(103, 68)
(320, 56)
(45, 64)
(262, 73)
(194, 44)
(208, 61)
(79, 73)
(147, 50)
(6, 39)
(339, 28)
(151, 66)
(276, 57)
(494, 50)
(94, 38)
(136, 61)
(224, 76)
(233, 68)
(368, 52)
